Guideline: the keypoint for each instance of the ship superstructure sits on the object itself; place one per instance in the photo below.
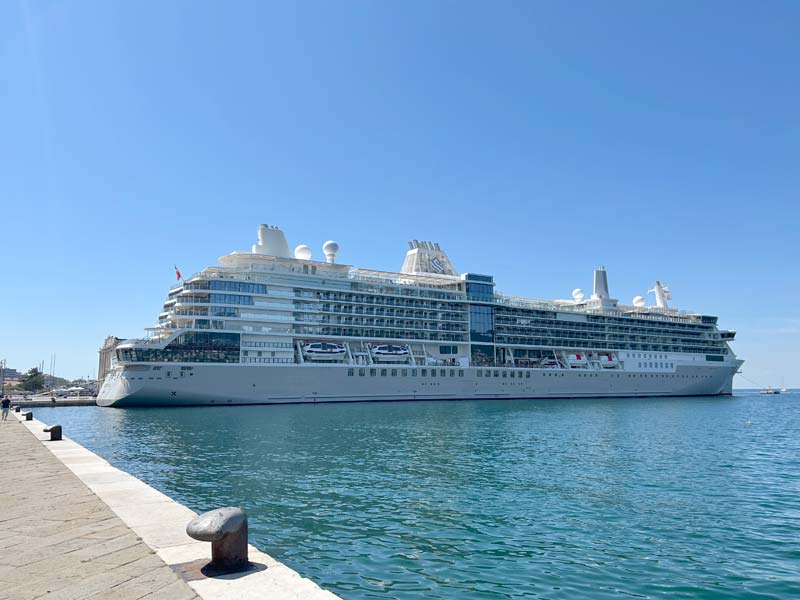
(270, 326)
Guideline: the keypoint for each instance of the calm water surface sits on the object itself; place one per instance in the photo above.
(643, 498)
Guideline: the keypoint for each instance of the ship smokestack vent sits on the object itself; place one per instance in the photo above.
(662, 295)
(427, 257)
(600, 284)
(272, 242)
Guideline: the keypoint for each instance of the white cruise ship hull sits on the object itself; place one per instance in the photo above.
(229, 384)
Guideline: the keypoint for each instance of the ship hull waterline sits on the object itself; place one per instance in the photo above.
(231, 384)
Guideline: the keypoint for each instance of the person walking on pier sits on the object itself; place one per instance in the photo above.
(6, 406)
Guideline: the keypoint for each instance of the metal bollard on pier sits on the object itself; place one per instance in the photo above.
(16, 409)
(226, 529)
(54, 431)
(28, 416)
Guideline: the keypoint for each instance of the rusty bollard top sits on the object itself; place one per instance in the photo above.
(215, 524)
(226, 529)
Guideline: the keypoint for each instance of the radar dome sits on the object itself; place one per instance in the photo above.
(638, 301)
(302, 252)
(330, 248)
(578, 295)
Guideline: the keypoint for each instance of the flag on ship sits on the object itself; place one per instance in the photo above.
(177, 274)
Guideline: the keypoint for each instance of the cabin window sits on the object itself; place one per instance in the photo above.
(373, 372)
(527, 375)
(350, 372)
(383, 372)
(413, 372)
(405, 372)
(424, 373)
(460, 373)
(443, 372)
(394, 372)
(497, 373)
(480, 373)
(362, 372)
(433, 372)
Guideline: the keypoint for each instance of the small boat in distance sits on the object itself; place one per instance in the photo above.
(770, 391)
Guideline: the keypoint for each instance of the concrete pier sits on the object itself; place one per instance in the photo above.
(59, 540)
(39, 401)
(73, 526)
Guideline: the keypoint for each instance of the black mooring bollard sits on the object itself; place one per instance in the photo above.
(55, 432)
(16, 409)
(226, 529)
(28, 416)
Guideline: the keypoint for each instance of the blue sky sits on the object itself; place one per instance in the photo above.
(533, 140)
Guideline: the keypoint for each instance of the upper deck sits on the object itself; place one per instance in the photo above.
(315, 275)
(275, 300)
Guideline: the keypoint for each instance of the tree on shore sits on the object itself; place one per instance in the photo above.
(32, 381)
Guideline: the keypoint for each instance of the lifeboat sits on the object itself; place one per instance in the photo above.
(577, 360)
(608, 361)
(389, 353)
(550, 363)
(322, 351)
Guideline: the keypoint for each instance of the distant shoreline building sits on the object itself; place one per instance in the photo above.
(9, 378)
(11, 375)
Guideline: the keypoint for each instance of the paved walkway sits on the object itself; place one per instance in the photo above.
(60, 541)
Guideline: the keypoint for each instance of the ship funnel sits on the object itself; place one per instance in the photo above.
(427, 257)
(662, 295)
(272, 242)
(600, 284)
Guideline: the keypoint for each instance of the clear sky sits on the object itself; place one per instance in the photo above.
(533, 140)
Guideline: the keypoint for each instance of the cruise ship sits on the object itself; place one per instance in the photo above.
(271, 326)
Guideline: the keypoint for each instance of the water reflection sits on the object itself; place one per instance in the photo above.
(550, 499)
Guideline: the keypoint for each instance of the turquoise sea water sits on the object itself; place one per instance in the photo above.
(627, 498)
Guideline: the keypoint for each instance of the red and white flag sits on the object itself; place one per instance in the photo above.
(177, 274)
